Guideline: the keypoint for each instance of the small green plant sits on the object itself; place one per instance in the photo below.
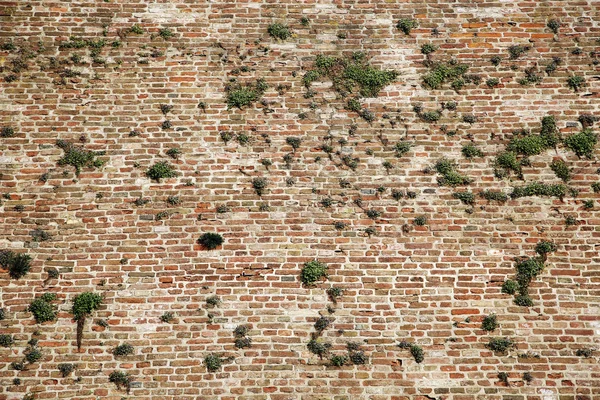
(489, 323)
(42, 308)
(338, 361)
(517, 51)
(406, 25)
(588, 204)
(211, 240)
(539, 189)
(174, 152)
(335, 293)
(83, 306)
(279, 31)
(167, 317)
(259, 184)
(570, 220)
(138, 30)
(596, 187)
(165, 33)
(450, 177)
(7, 132)
(441, 73)
(544, 247)
(304, 21)
(241, 330)
(66, 369)
(420, 220)
(161, 170)
(242, 342)
(318, 347)
(415, 350)
(33, 355)
(582, 143)
(575, 82)
(465, 197)
(78, 157)
(121, 380)
(554, 25)
(212, 301)
(492, 82)
(6, 340)
(124, 349)
(500, 345)
(358, 357)
(312, 272)
(17, 264)
(527, 377)
(213, 362)
(239, 96)
(507, 162)
(430, 116)
(470, 151)
(428, 48)
(321, 324)
(373, 213)
(561, 170)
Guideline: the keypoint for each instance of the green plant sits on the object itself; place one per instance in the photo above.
(338, 361)
(7, 132)
(544, 247)
(430, 116)
(174, 152)
(124, 349)
(212, 301)
(523, 300)
(279, 31)
(373, 213)
(470, 151)
(6, 340)
(450, 177)
(259, 184)
(316, 346)
(17, 264)
(240, 96)
(465, 197)
(596, 187)
(570, 220)
(42, 309)
(167, 317)
(407, 24)
(241, 330)
(83, 306)
(66, 369)
(575, 82)
(588, 204)
(420, 220)
(313, 271)
(243, 342)
(211, 240)
(428, 48)
(213, 362)
(440, 73)
(33, 355)
(492, 82)
(527, 377)
(582, 143)
(492, 195)
(415, 350)
(553, 25)
(121, 380)
(322, 323)
(517, 51)
(500, 345)
(529, 145)
(489, 323)
(165, 33)
(295, 142)
(161, 170)
(561, 170)
(3, 314)
(78, 157)
(335, 293)
(138, 30)
(503, 377)
(304, 21)
(539, 189)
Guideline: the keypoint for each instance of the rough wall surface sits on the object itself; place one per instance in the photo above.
(346, 197)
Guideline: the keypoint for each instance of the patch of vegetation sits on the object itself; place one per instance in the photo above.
(124, 349)
(415, 350)
(312, 272)
(531, 77)
(517, 51)
(66, 369)
(318, 347)
(338, 361)
(350, 75)
(539, 189)
(507, 162)
(449, 176)
(471, 151)
(279, 31)
(174, 152)
(161, 170)
(7, 132)
(500, 345)
(210, 240)
(321, 324)
(561, 170)
(492, 82)
(465, 197)
(582, 143)
(33, 355)
(295, 142)
(430, 116)
(42, 308)
(165, 33)
(544, 247)
(83, 306)
(121, 380)
(17, 264)
(493, 195)
(420, 220)
(6, 340)
(78, 157)
(406, 25)
(167, 317)
(440, 73)
(489, 323)
(259, 185)
(240, 96)
(373, 213)
(554, 25)
(575, 82)
(428, 48)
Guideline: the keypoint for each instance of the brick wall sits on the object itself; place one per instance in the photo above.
(429, 285)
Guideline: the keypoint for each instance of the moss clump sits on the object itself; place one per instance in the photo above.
(561, 170)
(549, 131)
(441, 73)
(450, 177)
(465, 197)
(582, 143)
(279, 31)
(161, 170)
(312, 272)
(17, 264)
(406, 25)
(500, 345)
(78, 157)
(539, 189)
(350, 75)
(492, 82)
(523, 300)
(42, 309)
(211, 240)
(470, 151)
